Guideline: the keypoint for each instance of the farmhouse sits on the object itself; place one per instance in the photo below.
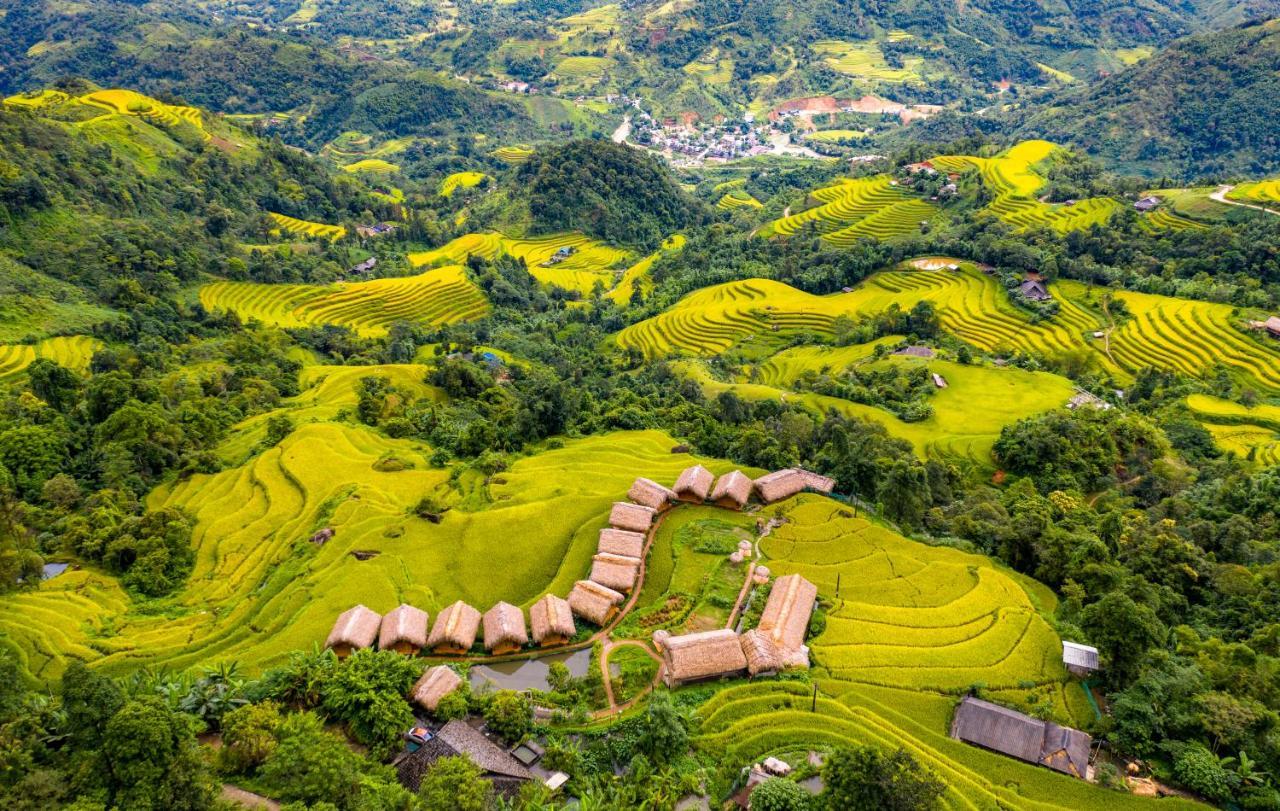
(594, 602)
(620, 542)
(631, 517)
(355, 628)
(404, 630)
(732, 490)
(1011, 733)
(504, 630)
(786, 483)
(1081, 660)
(455, 629)
(435, 684)
(1034, 289)
(551, 619)
(786, 617)
(1272, 326)
(915, 352)
(698, 656)
(458, 738)
(1148, 203)
(618, 572)
(365, 266)
(648, 493)
(694, 484)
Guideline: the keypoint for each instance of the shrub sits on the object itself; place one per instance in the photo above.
(1200, 770)
(776, 794)
(509, 714)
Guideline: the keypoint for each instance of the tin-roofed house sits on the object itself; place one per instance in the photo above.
(1012, 733)
(1081, 660)
(501, 769)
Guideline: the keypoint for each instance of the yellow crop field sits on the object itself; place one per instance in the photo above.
(1251, 433)
(583, 67)
(440, 296)
(864, 60)
(853, 209)
(304, 228)
(129, 102)
(460, 180)
(513, 155)
(836, 135)
(636, 277)
(1263, 191)
(73, 352)
(591, 262)
(372, 166)
(737, 199)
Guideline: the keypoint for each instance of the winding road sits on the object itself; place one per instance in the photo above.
(1220, 196)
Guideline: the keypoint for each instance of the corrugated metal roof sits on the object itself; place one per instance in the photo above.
(1077, 655)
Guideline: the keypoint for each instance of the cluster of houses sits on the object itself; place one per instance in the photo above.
(726, 141)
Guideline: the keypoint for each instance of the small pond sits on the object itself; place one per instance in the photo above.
(528, 674)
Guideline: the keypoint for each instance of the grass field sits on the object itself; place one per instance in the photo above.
(460, 180)
(1014, 180)
(865, 60)
(440, 296)
(372, 166)
(849, 210)
(303, 228)
(73, 352)
(591, 263)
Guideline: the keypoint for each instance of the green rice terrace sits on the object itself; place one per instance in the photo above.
(853, 209)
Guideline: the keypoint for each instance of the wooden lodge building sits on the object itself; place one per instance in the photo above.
(404, 630)
(551, 619)
(1012, 733)
(355, 629)
(459, 738)
(504, 629)
(435, 684)
(455, 629)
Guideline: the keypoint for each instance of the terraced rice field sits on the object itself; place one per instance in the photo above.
(1013, 178)
(460, 180)
(636, 277)
(259, 590)
(440, 296)
(1165, 219)
(853, 209)
(1250, 433)
(513, 155)
(583, 67)
(304, 228)
(372, 166)
(591, 263)
(864, 60)
(835, 136)
(1263, 191)
(128, 102)
(737, 199)
(73, 352)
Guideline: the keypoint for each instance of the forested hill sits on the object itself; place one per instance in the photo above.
(1207, 105)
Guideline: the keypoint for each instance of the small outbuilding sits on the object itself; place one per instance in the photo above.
(1012, 733)
(355, 629)
(1272, 326)
(782, 484)
(594, 602)
(648, 493)
(732, 490)
(1081, 660)
(631, 517)
(694, 484)
(1034, 290)
(497, 766)
(620, 542)
(618, 572)
(551, 619)
(455, 629)
(504, 629)
(700, 656)
(761, 652)
(404, 630)
(435, 684)
(1148, 203)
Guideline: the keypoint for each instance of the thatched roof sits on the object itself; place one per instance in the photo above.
(404, 623)
(455, 627)
(762, 654)
(460, 738)
(551, 616)
(786, 614)
(1011, 733)
(786, 483)
(702, 655)
(621, 542)
(694, 483)
(435, 684)
(504, 623)
(649, 493)
(355, 628)
(592, 601)
(735, 487)
(631, 517)
(618, 572)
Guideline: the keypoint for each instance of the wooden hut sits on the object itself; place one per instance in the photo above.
(732, 490)
(594, 602)
(762, 655)
(786, 615)
(551, 619)
(648, 493)
(786, 483)
(694, 484)
(435, 684)
(618, 572)
(620, 542)
(355, 628)
(699, 656)
(504, 629)
(631, 517)
(1012, 733)
(455, 629)
(404, 630)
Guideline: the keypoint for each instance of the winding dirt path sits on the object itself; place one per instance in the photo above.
(1220, 196)
(614, 707)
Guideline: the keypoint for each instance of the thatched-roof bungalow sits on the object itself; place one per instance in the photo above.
(694, 484)
(497, 766)
(552, 621)
(631, 517)
(762, 654)
(404, 630)
(594, 602)
(618, 572)
(732, 490)
(355, 628)
(455, 629)
(786, 615)
(648, 493)
(786, 483)
(620, 542)
(435, 684)
(1011, 733)
(703, 655)
(504, 629)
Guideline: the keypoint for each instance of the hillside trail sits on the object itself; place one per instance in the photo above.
(614, 707)
(1220, 196)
